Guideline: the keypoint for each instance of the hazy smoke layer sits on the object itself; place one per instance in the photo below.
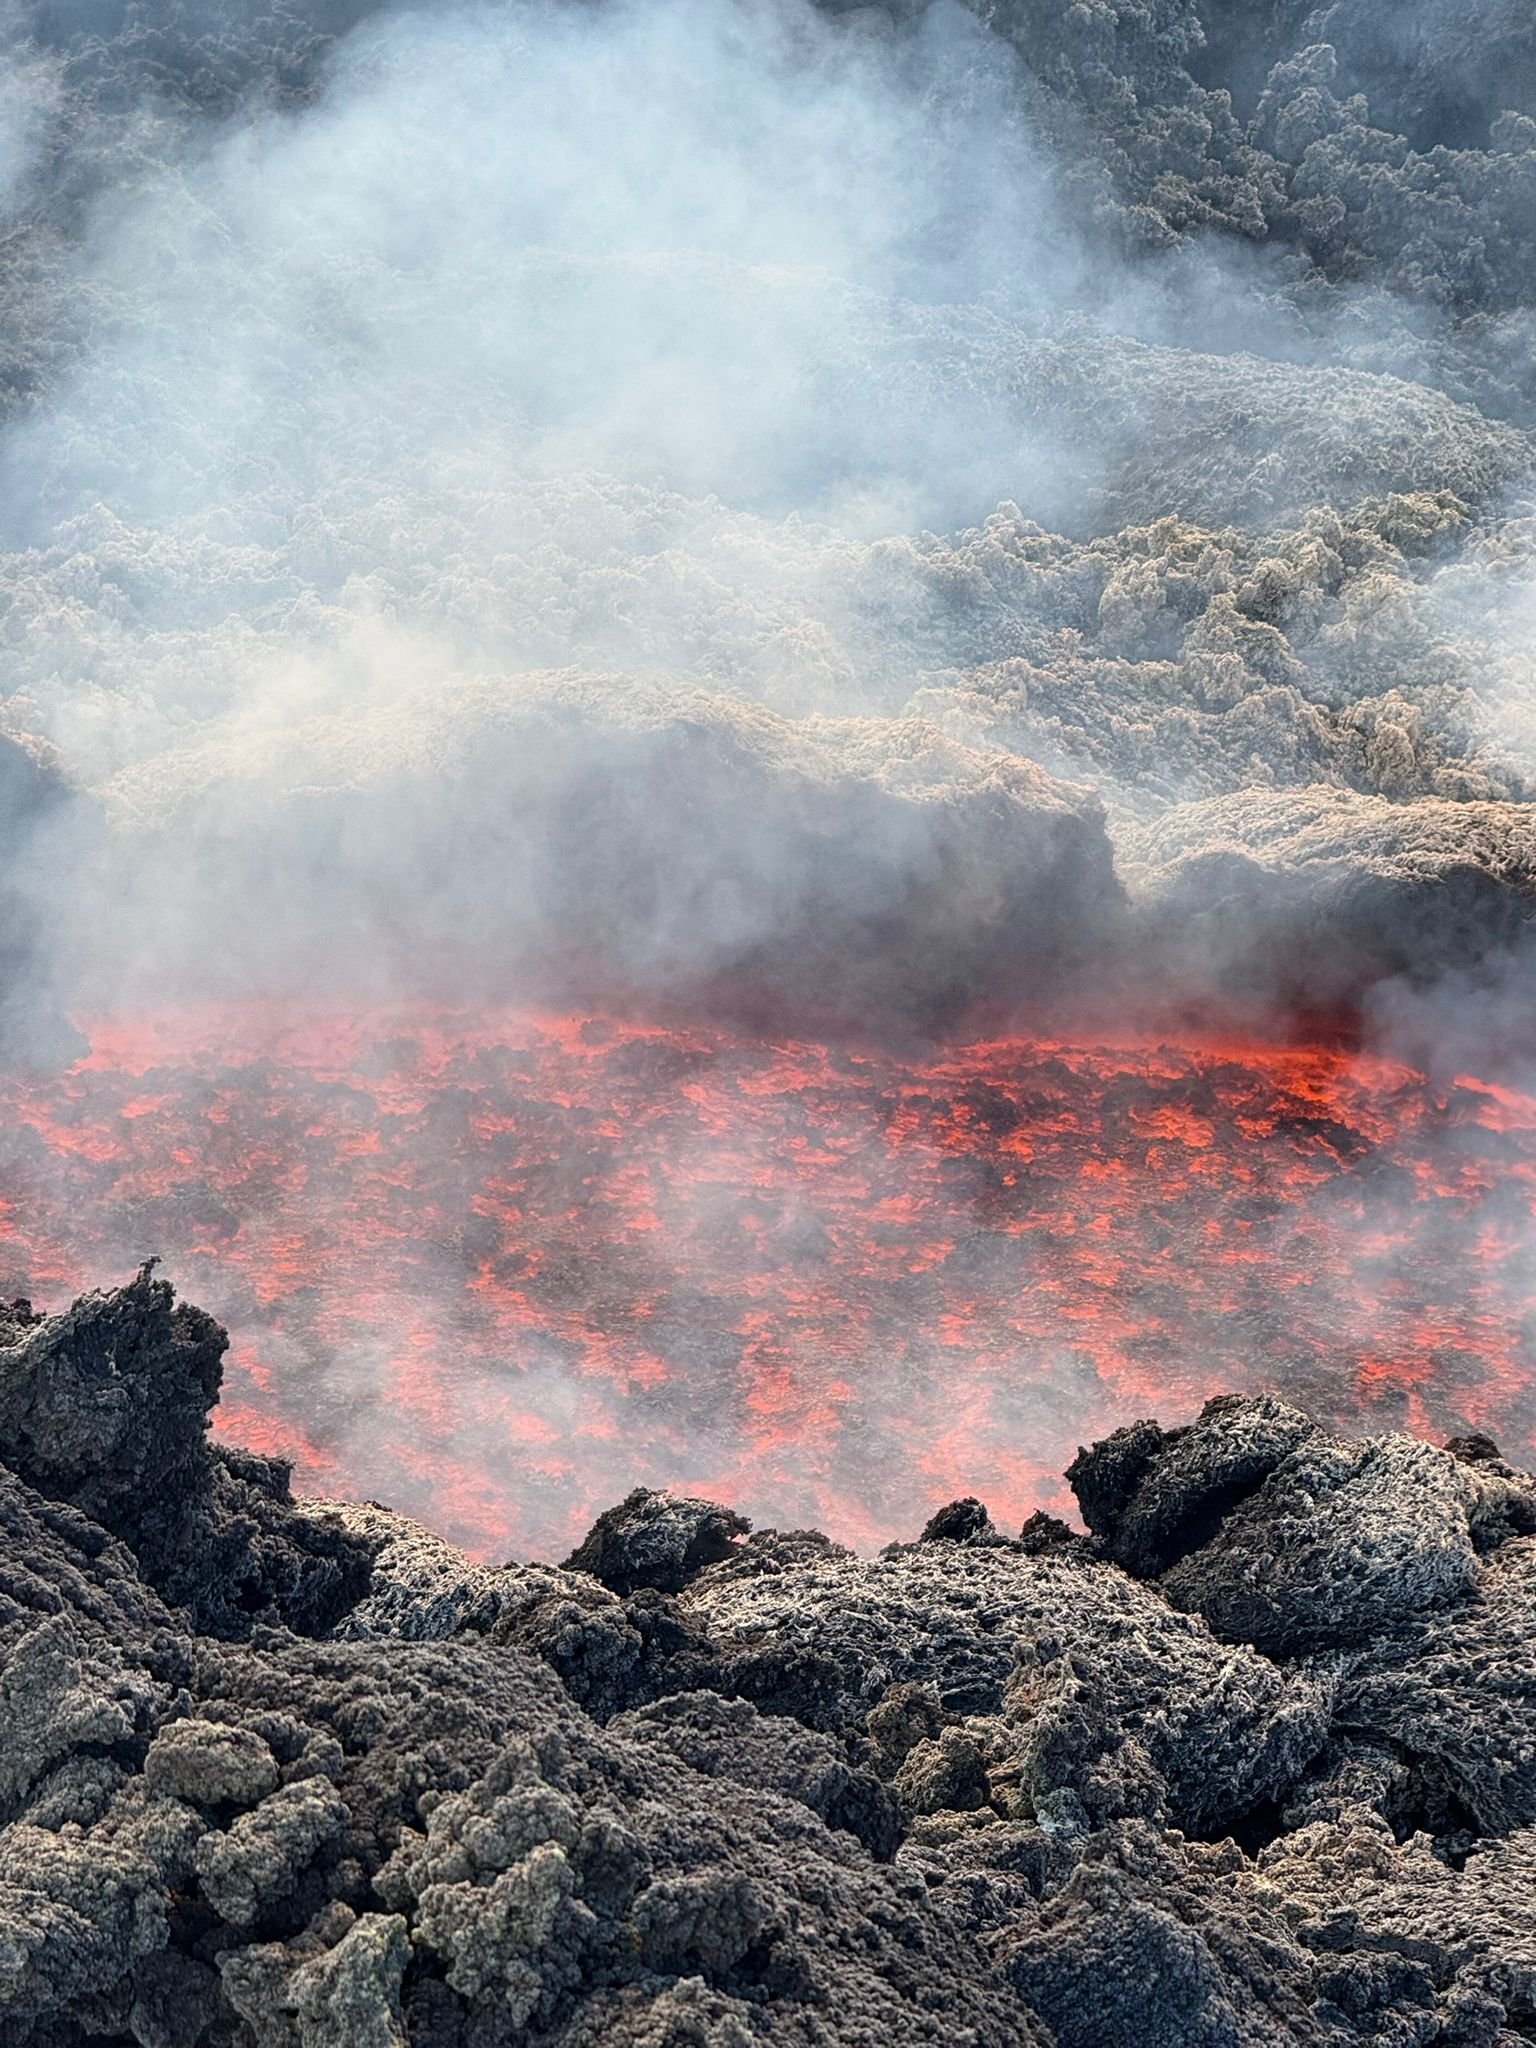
(455, 461)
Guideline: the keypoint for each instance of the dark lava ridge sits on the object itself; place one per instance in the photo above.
(1252, 1762)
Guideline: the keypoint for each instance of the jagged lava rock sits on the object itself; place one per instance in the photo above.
(1292, 1539)
(107, 1406)
(985, 1790)
(656, 1539)
(1100, 1699)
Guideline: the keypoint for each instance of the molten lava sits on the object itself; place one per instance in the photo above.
(496, 1270)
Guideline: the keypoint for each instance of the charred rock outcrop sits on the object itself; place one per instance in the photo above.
(107, 1407)
(656, 1540)
(369, 1839)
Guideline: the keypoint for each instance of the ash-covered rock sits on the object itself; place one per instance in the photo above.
(1077, 1698)
(420, 1589)
(1449, 1701)
(1250, 1763)
(1289, 1538)
(289, 1841)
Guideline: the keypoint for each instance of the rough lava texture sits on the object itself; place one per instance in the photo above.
(1253, 1762)
(287, 1840)
(108, 1405)
(656, 1539)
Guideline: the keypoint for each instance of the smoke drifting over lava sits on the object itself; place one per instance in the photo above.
(495, 1274)
(780, 528)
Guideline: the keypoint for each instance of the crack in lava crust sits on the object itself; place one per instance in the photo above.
(495, 1270)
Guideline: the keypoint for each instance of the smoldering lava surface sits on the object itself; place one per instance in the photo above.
(496, 1269)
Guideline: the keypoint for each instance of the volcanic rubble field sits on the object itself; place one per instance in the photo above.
(368, 598)
(1252, 1762)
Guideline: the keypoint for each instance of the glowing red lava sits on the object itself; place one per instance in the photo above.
(497, 1270)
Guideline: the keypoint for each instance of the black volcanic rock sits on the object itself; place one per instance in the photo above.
(295, 1842)
(1105, 1478)
(655, 1539)
(987, 1790)
(1343, 1543)
(730, 1738)
(963, 1521)
(107, 1407)
(1452, 1700)
(1289, 1538)
(1133, 1947)
(1153, 1495)
(1089, 1697)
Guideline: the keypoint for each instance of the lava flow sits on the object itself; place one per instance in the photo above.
(496, 1270)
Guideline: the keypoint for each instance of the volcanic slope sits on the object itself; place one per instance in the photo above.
(282, 1773)
(1200, 473)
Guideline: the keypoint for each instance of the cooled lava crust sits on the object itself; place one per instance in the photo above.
(1253, 1762)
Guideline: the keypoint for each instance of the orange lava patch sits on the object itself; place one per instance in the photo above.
(496, 1270)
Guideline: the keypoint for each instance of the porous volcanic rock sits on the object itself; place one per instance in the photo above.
(107, 1406)
(656, 1539)
(1083, 1698)
(1449, 1699)
(1291, 1539)
(988, 1789)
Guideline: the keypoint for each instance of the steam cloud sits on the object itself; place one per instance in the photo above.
(455, 460)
